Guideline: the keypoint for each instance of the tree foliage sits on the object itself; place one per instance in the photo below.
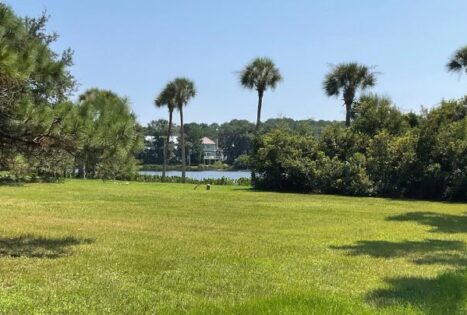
(34, 85)
(346, 79)
(108, 135)
(41, 131)
(260, 75)
(458, 62)
(235, 138)
(373, 113)
(381, 154)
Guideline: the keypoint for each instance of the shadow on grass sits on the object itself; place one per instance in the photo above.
(12, 184)
(456, 260)
(386, 249)
(38, 247)
(442, 223)
(445, 294)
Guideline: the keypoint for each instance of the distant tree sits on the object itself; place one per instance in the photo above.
(373, 113)
(346, 79)
(154, 147)
(235, 138)
(260, 75)
(303, 127)
(211, 130)
(166, 98)
(458, 62)
(194, 132)
(184, 90)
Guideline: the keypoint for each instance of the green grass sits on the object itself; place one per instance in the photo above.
(91, 247)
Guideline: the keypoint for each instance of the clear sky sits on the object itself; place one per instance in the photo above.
(135, 47)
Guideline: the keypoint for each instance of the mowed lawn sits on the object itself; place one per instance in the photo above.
(90, 247)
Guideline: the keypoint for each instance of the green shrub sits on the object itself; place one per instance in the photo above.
(345, 177)
(242, 162)
(286, 162)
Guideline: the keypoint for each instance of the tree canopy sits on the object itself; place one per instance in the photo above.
(458, 62)
(41, 130)
(345, 79)
(260, 75)
(108, 135)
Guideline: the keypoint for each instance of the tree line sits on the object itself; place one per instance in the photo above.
(234, 139)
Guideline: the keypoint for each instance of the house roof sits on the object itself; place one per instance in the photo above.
(206, 140)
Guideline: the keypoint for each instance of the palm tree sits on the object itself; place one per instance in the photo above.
(458, 62)
(166, 98)
(184, 90)
(260, 75)
(346, 79)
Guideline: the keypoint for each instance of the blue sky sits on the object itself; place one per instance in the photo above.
(135, 47)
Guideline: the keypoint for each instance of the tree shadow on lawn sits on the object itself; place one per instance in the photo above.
(441, 223)
(38, 247)
(445, 294)
(450, 259)
(386, 249)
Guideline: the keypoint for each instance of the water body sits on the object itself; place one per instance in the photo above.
(203, 174)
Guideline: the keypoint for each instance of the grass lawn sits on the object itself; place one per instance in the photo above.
(92, 247)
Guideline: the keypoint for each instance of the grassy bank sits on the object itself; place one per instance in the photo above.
(94, 247)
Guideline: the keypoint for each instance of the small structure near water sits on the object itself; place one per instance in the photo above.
(211, 152)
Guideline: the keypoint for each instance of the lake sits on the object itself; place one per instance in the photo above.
(203, 174)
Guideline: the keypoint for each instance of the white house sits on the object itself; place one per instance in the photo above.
(211, 152)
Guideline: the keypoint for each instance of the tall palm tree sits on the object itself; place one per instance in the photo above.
(458, 62)
(166, 98)
(260, 75)
(184, 90)
(346, 79)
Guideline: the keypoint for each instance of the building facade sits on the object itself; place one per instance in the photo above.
(211, 152)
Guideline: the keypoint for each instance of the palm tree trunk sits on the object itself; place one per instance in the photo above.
(260, 104)
(348, 110)
(258, 122)
(84, 166)
(166, 146)
(182, 136)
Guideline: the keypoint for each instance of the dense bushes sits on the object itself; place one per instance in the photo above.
(285, 162)
(384, 153)
(296, 163)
